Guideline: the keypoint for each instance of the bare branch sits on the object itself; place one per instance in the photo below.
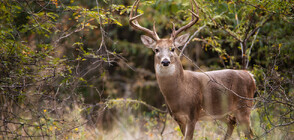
(136, 102)
(191, 37)
(252, 43)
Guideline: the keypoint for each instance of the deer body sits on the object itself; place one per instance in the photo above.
(196, 89)
(192, 96)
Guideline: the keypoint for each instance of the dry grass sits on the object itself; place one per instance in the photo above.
(129, 127)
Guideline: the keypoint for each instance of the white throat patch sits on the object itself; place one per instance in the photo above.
(165, 70)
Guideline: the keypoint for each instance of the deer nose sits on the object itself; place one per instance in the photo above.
(165, 62)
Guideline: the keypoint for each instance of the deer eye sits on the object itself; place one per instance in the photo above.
(156, 50)
(172, 49)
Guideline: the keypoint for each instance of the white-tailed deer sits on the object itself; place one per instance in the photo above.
(191, 96)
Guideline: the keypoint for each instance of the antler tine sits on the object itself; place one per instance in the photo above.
(134, 23)
(195, 18)
(154, 31)
(174, 28)
(134, 5)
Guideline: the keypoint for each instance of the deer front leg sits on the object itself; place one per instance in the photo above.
(189, 131)
(186, 124)
(182, 122)
(182, 127)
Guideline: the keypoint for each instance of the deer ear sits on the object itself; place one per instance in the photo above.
(181, 40)
(147, 41)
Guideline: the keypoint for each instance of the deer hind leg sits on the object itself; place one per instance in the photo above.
(243, 118)
(231, 123)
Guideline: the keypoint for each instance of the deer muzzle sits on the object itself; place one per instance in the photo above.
(165, 62)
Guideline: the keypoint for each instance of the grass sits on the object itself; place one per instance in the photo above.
(131, 127)
(128, 124)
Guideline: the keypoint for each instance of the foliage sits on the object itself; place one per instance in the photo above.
(71, 66)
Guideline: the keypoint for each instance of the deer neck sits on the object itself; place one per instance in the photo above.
(169, 78)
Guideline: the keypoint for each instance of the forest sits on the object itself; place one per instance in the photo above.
(76, 69)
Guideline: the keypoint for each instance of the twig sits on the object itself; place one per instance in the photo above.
(213, 80)
(67, 35)
(195, 33)
(136, 101)
(164, 123)
(252, 43)
(101, 28)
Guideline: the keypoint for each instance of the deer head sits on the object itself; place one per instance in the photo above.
(165, 55)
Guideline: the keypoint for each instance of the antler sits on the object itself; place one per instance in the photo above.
(195, 18)
(134, 23)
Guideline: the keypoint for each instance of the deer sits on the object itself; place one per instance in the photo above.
(225, 95)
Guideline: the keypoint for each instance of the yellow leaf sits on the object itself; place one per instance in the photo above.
(236, 16)
(55, 3)
(197, 39)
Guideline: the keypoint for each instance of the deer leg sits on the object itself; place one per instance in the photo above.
(250, 134)
(231, 122)
(244, 122)
(183, 128)
(186, 125)
(245, 126)
(190, 126)
(238, 132)
(181, 124)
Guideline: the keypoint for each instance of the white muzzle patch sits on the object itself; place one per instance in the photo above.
(165, 70)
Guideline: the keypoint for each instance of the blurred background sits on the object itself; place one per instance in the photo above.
(74, 69)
